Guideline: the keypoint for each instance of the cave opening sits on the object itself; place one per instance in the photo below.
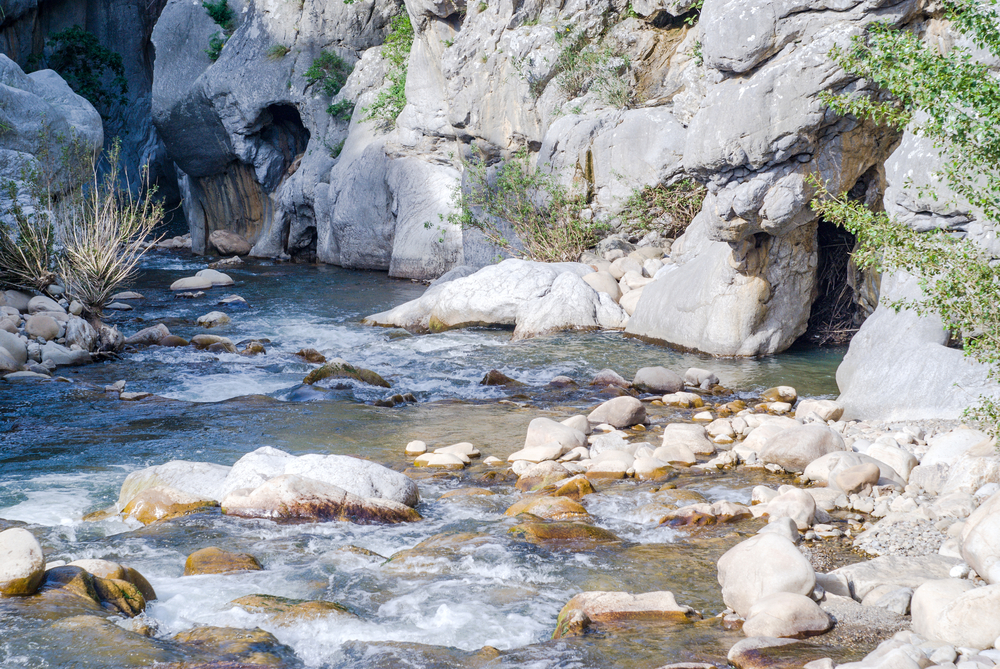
(837, 312)
(282, 129)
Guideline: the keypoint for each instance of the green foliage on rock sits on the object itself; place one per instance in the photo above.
(395, 51)
(338, 369)
(955, 101)
(668, 209)
(92, 70)
(584, 66)
(544, 214)
(341, 110)
(224, 16)
(330, 71)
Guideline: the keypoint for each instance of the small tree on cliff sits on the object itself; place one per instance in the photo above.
(953, 100)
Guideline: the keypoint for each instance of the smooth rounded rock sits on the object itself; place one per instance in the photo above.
(13, 345)
(858, 479)
(213, 319)
(549, 508)
(658, 380)
(42, 326)
(22, 563)
(603, 282)
(796, 504)
(619, 412)
(41, 303)
(795, 448)
(214, 560)
(786, 615)
(192, 283)
(825, 409)
(980, 540)
(691, 436)
(760, 566)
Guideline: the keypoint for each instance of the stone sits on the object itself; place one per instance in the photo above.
(980, 540)
(543, 431)
(164, 503)
(201, 480)
(17, 300)
(227, 263)
(536, 454)
(229, 243)
(42, 326)
(898, 458)
(762, 652)
(495, 377)
(570, 304)
(112, 570)
(60, 356)
(213, 319)
(700, 378)
(14, 347)
(895, 570)
(240, 646)
(760, 566)
(657, 380)
(675, 454)
(22, 563)
(212, 560)
(578, 422)
(826, 468)
(825, 409)
(415, 448)
(283, 610)
(603, 282)
(600, 607)
(549, 508)
(575, 487)
(630, 300)
(796, 504)
(858, 479)
(780, 394)
(361, 478)
(786, 615)
(148, 336)
(649, 468)
(42, 304)
(440, 460)
(192, 283)
(619, 412)
(946, 448)
(609, 377)
(127, 295)
(690, 436)
(795, 448)
(341, 369)
(118, 306)
(541, 475)
(977, 467)
(784, 526)
(82, 334)
(683, 400)
(294, 498)
(311, 355)
(624, 265)
(216, 277)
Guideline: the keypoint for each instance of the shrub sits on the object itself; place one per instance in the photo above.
(86, 65)
(215, 44)
(544, 214)
(221, 13)
(341, 110)
(395, 50)
(583, 66)
(26, 250)
(277, 52)
(668, 209)
(330, 71)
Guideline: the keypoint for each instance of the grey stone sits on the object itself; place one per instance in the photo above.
(42, 326)
(81, 333)
(148, 336)
(795, 448)
(619, 412)
(64, 357)
(13, 345)
(657, 380)
(760, 566)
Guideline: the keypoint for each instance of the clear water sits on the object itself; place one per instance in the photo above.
(65, 449)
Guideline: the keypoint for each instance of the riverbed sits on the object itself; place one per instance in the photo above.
(478, 596)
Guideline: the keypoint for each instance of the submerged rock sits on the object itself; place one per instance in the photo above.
(283, 610)
(564, 534)
(341, 369)
(599, 607)
(254, 646)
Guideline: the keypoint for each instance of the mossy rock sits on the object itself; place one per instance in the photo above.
(120, 596)
(212, 560)
(285, 610)
(338, 369)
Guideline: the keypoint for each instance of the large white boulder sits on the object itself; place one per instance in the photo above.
(688, 435)
(795, 448)
(22, 564)
(570, 304)
(825, 468)
(980, 540)
(545, 430)
(784, 615)
(199, 479)
(760, 566)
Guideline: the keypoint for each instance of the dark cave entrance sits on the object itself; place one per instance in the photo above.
(836, 313)
(281, 129)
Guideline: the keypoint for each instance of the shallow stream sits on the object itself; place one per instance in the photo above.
(65, 449)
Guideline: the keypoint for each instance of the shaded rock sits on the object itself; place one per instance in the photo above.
(107, 643)
(15, 348)
(311, 355)
(341, 369)
(61, 356)
(114, 570)
(215, 277)
(760, 566)
(192, 283)
(770, 652)
(574, 488)
(858, 479)
(213, 560)
(609, 377)
(291, 497)
(600, 606)
(22, 563)
(603, 282)
(81, 333)
(148, 336)
(795, 448)
(786, 615)
(41, 304)
(173, 341)
(564, 534)
(619, 412)
(497, 378)
(42, 326)
(657, 380)
(229, 243)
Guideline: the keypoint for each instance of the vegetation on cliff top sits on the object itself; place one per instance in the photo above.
(953, 100)
(395, 51)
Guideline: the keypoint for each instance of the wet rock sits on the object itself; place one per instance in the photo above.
(206, 341)
(227, 263)
(575, 488)
(770, 653)
(440, 460)
(700, 378)
(213, 319)
(108, 644)
(203, 480)
(657, 380)
(120, 596)
(549, 508)
(127, 295)
(564, 534)
(541, 475)
(60, 356)
(283, 610)
(495, 377)
(601, 607)
(164, 503)
(609, 377)
(311, 355)
(173, 341)
(415, 448)
(22, 564)
(191, 283)
(780, 394)
(360, 477)
(229, 243)
(619, 412)
(341, 369)
(824, 409)
(42, 326)
(980, 540)
(760, 566)
(253, 348)
(217, 278)
(118, 306)
(543, 431)
(562, 382)
(795, 448)
(290, 497)
(253, 647)
(786, 615)
(114, 570)
(81, 333)
(466, 492)
(213, 560)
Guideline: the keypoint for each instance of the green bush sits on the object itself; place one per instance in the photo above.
(584, 66)
(86, 65)
(221, 13)
(341, 110)
(330, 71)
(667, 209)
(215, 44)
(544, 214)
(958, 101)
(395, 50)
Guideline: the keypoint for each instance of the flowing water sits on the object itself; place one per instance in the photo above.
(474, 596)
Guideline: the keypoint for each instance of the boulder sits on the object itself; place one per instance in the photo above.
(212, 560)
(763, 652)
(42, 326)
(201, 480)
(978, 466)
(549, 508)
(541, 475)
(192, 283)
(15, 299)
(359, 477)
(295, 498)
(14, 347)
(163, 503)
(283, 610)
(22, 563)
(946, 448)
(798, 505)
(826, 468)
(570, 304)
(895, 570)
(213, 319)
(229, 243)
(81, 333)
(931, 599)
(630, 300)
(599, 607)
(216, 277)
(700, 378)
(968, 620)
(609, 377)
(113, 570)
(980, 540)
(898, 458)
(691, 436)
(61, 356)
(148, 336)
(657, 380)
(825, 409)
(338, 368)
(786, 615)
(857, 479)
(543, 431)
(619, 412)
(41, 304)
(603, 282)
(795, 448)
(760, 566)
